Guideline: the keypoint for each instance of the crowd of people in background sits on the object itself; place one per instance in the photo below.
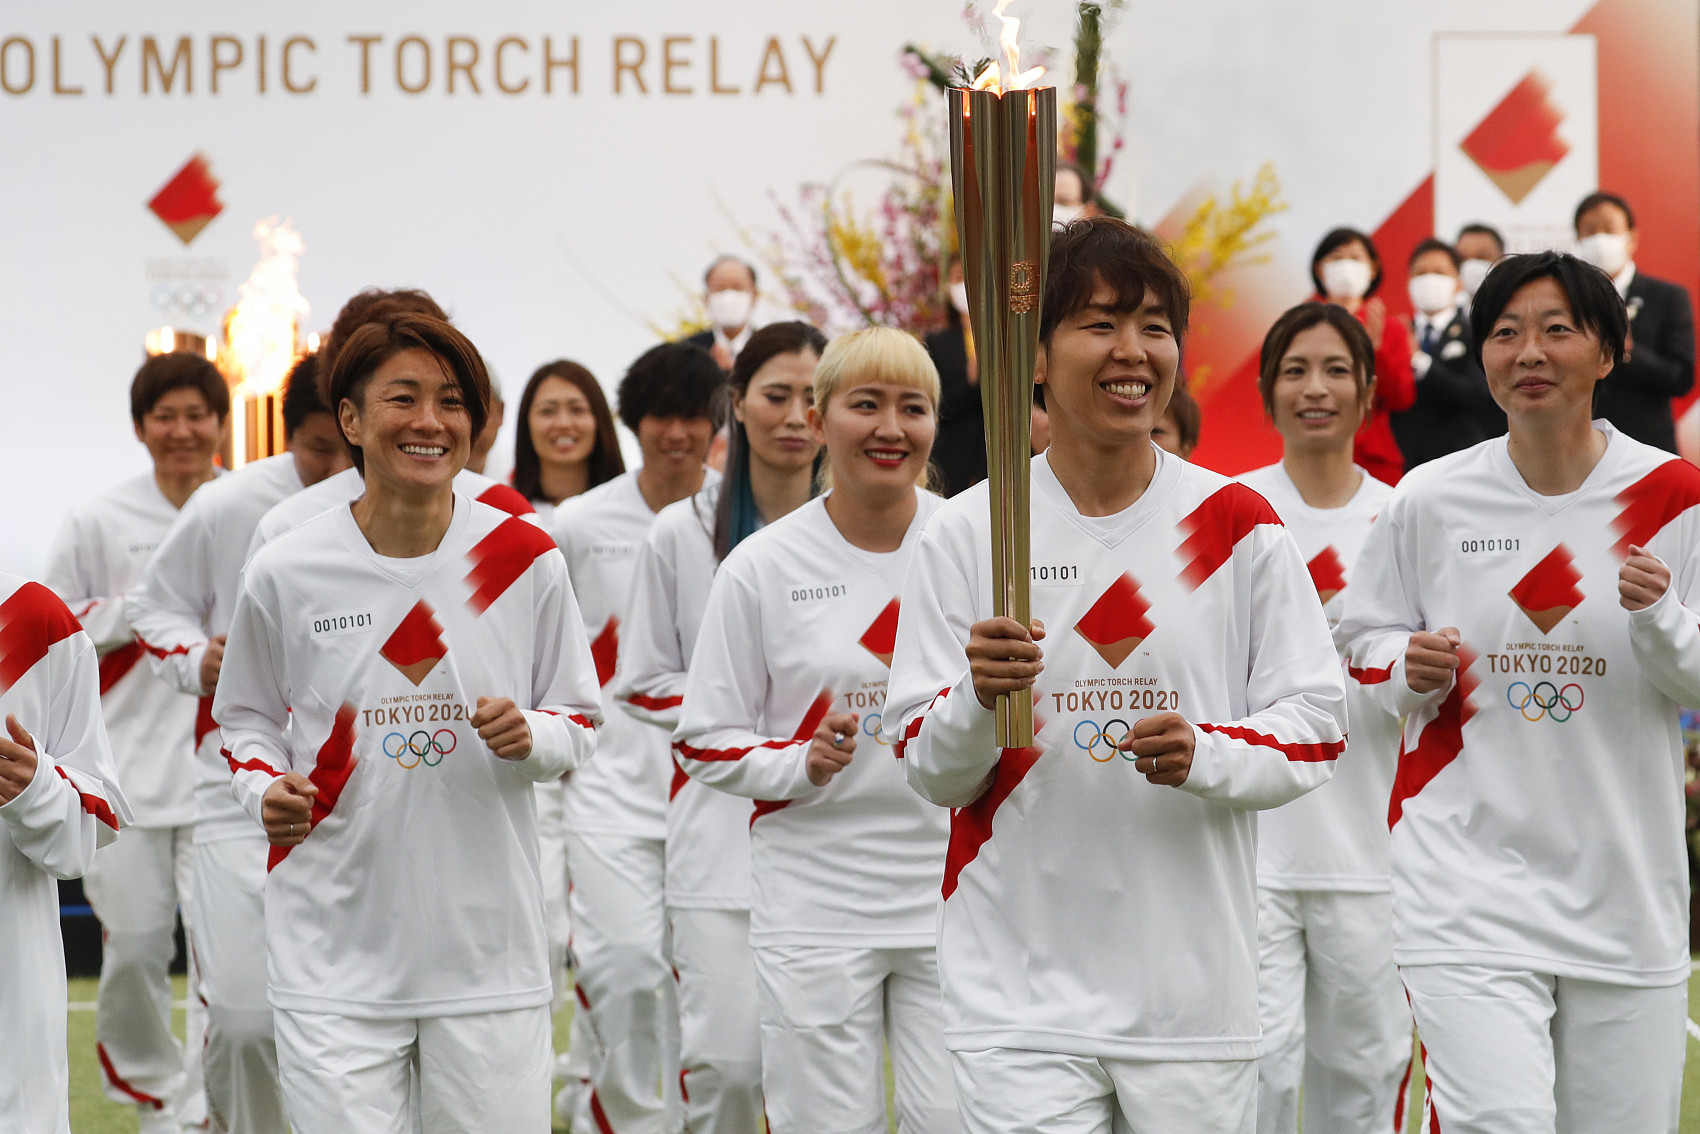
(418, 754)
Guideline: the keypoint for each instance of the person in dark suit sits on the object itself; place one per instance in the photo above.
(1454, 409)
(959, 449)
(729, 290)
(1636, 396)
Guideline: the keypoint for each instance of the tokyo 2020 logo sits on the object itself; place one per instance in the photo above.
(420, 747)
(1545, 700)
(1099, 740)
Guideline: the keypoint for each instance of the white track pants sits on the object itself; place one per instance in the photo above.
(240, 1065)
(136, 886)
(719, 1021)
(1333, 1013)
(827, 1016)
(625, 981)
(1513, 1052)
(475, 1074)
(1010, 1091)
(552, 862)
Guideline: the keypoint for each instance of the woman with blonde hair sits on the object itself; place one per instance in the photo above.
(783, 706)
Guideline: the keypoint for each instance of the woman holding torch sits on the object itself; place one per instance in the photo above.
(782, 705)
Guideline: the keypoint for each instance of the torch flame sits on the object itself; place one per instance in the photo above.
(1007, 75)
(259, 332)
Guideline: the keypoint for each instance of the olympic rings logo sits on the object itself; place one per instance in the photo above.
(1545, 700)
(186, 298)
(1094, 738)
(871, 729)
(421, 746)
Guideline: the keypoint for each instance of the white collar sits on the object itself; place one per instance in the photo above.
(1624, 278)
(733, 346)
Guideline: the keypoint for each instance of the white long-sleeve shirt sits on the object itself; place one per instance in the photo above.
(101, 549)
(1537, 813)
(186, 596)
(625, 792)
(1087, 910)
(417, 890)
(800, 623)
(50, 680)
(1334, 838)
(708, 831)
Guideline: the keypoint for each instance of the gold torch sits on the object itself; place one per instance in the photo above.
(1003, 165)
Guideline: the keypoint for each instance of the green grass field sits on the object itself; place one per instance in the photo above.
(92, 1113)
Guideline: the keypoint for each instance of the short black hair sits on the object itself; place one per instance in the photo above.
(1594, 301)
(387, 334)
(1597, 198)
(728, 258)
(1435, 244)
(1477, 228)
(163, 373)
(1339, 238)
(1128, 260)
(301, 398)
(672, 380)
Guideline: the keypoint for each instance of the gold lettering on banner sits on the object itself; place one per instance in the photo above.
(714, 86)
(289, 46)
(550, 62)
(183, 57)
(260, 63)
(502, 45)
(112, 62)
(221, 63)
(365, 42)
(465, 68)
(400, 78)
(1022, 290)
(820, 60)
(669, 64)
(774, 52)
(622, 65)
(6, 65)
(59, 88)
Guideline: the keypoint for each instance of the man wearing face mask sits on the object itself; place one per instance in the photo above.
(1478, 247)
(1453, 409)
(959, 448)
(1659, 362)
(729, 289)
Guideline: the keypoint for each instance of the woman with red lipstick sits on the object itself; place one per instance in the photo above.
(1334, 1017)
(782, 705)
(1530, 606)
(400, 674)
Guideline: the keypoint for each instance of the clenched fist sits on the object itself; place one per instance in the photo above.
(832, 747)
(1162, 746)
(287, 809)
(502, 727)
(1431, 659)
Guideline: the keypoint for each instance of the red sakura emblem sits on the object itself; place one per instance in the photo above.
(1548, 592)
(1116, 624)
(417, 644)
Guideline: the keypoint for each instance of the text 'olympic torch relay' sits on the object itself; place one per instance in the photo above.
(1003, 162)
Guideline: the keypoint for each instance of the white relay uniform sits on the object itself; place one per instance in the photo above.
(185, 597)
(708, 831)
(350, 485)
(1089, 913)
(49, 680)
(137, 891)
(1333, 1013)
(614, 815)
(844, 879)
(1537, 814)
(416, 896)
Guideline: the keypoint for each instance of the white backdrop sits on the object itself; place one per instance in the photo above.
(558, 223)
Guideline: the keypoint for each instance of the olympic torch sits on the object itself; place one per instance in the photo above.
(1003, 159)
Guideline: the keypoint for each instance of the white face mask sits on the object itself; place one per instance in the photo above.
(1346, 279)
(730, 308)
(1063, 214)
(1432, 292)
(1607, 251)
(959, 297)
(1471, 273)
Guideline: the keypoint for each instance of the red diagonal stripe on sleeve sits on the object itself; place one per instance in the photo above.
(971, 826)
(159, 653)
(115, 666)
(247, 765)
(1368, 676)
(502, 557)
(654, 704)
(1654, 501)
(1313, 752)
(914, 728)
(331, 769)
(31, 621)
(95, 805)
(811, 721)
(508, 500)
(1216, 527)
(1441, 741)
